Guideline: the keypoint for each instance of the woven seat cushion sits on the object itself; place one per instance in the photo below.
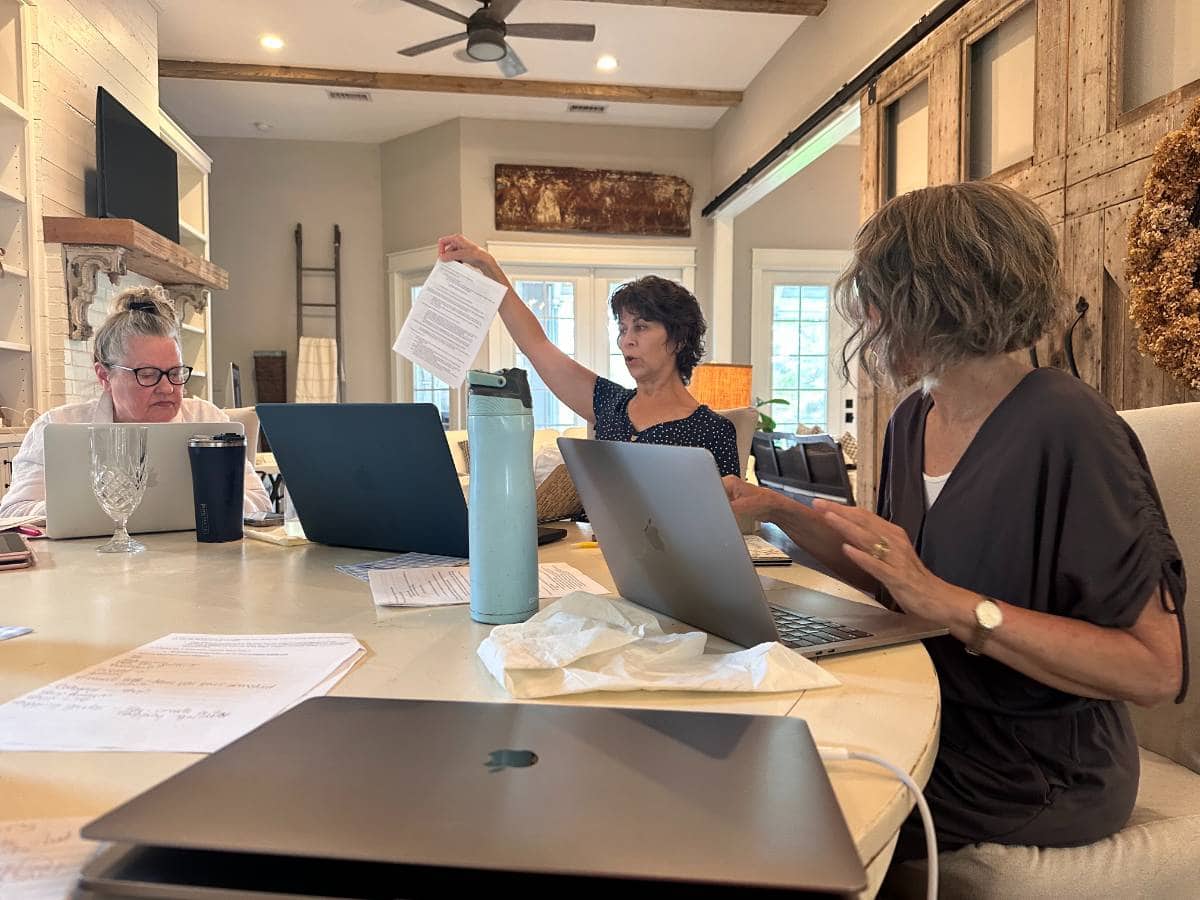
(1156, 855)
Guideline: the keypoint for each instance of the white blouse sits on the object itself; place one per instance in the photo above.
(933, 487)
(27, 495)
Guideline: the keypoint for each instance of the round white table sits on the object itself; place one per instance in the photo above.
(86, 607)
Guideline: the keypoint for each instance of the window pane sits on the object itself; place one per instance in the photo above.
(785, 339)
(787, 302)
(783, 375)
(1002, 70)
(812, 372)
(553, 303)
(1162, 49)
(427, 387)
(907, 139)
(814, 337)
(811, 408)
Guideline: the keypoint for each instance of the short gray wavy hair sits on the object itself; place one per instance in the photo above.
(144, 311)
(946, 274)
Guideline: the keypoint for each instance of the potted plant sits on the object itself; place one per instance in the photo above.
(765, 422)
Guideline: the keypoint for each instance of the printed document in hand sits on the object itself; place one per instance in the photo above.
(40, 859)
(449, 320)
(450, 585)
(184, 693)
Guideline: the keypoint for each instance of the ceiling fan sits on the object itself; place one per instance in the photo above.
(487, 32)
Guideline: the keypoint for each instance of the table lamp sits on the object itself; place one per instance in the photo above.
(722, 385)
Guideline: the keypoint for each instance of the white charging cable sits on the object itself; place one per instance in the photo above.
(841, 753)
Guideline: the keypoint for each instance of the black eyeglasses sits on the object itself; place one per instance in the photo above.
(149, 376)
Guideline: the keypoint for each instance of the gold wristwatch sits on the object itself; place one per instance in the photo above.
(988, 618)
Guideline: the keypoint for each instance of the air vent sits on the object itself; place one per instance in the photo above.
(350, 96)
(591, 109)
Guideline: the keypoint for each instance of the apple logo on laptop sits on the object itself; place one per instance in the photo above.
(510, 759)
(653, 537)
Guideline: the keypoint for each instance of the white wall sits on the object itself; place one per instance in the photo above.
(258, 191)
(816, 210)
(422, 187)
(80, 45)
(822, 54)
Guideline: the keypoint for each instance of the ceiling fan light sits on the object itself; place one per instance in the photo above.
(486, 45)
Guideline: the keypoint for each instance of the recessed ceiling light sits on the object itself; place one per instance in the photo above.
(607, 63)
(263, 126)
(271, 41)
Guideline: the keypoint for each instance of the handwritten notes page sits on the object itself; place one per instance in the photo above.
(450, 585)
(449, 320)
(40, 859)
(184, 693)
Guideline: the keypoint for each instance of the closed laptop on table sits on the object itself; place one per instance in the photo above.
(359, 797)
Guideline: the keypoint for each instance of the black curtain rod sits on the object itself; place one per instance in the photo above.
(847, 92)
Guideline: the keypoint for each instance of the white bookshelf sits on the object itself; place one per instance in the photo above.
(19, 326)
(194, 166)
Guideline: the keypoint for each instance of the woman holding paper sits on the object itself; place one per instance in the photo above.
(661, 336)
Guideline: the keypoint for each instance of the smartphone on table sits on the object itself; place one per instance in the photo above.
(14, 551)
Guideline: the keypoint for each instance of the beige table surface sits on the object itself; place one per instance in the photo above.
(87, 607)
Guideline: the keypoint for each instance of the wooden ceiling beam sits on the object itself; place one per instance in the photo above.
(780, 7)
(446, 84)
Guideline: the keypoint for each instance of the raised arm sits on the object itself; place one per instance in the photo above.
(569, 381)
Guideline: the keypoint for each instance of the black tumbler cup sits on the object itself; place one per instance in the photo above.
(218, 481)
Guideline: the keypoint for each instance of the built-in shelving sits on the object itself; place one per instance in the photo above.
(19, 323)
(192, 329)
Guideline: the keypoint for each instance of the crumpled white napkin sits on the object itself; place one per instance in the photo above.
(588, 643)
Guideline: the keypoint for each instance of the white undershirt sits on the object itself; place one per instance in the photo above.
(933, 487)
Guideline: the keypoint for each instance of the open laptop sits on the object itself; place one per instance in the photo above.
(369, 797)
(672, 544)
(71, 507)
(377, 476)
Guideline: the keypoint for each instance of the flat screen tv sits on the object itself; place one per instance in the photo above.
(136, 171)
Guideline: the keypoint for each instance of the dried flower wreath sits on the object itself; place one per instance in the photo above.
(1164, 255)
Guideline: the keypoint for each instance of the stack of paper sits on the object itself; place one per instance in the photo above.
(403, 561)
(184, 693)
(41, 858)
(449, 585)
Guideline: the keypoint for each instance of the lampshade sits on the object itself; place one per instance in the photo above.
(722, 385)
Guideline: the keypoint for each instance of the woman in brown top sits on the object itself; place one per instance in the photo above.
(1015, 508)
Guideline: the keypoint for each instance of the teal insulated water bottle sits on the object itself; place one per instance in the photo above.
(501, 508)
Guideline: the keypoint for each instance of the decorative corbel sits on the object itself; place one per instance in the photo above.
(84, 263)
(184, 295)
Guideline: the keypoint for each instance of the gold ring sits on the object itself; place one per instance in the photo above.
(880, 550)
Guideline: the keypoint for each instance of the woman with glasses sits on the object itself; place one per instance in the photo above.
(139, 365)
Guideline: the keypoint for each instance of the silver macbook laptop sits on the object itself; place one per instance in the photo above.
(71, 507)
(359, 797)
(672, 544)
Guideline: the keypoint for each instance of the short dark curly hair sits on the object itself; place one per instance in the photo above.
(661, 300)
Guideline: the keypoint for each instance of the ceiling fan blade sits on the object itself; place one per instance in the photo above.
(501, 9)
(439, 9)
(561, 32)
(511, 65)
(433, 45)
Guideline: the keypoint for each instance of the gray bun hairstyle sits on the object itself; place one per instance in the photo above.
(144, 311)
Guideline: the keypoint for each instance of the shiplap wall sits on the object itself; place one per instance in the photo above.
(80, 45)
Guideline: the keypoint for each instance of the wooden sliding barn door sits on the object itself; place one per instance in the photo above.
(1087, 169)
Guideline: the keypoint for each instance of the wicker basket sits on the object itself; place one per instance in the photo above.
(556, 497)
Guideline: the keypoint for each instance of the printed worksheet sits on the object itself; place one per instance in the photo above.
(449, 321)
(450, 585)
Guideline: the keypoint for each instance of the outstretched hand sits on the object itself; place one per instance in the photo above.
(456, 248)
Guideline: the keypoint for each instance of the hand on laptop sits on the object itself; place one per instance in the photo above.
(883, 550)
(749, 499)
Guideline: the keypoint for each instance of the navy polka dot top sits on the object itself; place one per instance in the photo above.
(703, 428)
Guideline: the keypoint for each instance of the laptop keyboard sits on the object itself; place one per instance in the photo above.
(799, 631)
